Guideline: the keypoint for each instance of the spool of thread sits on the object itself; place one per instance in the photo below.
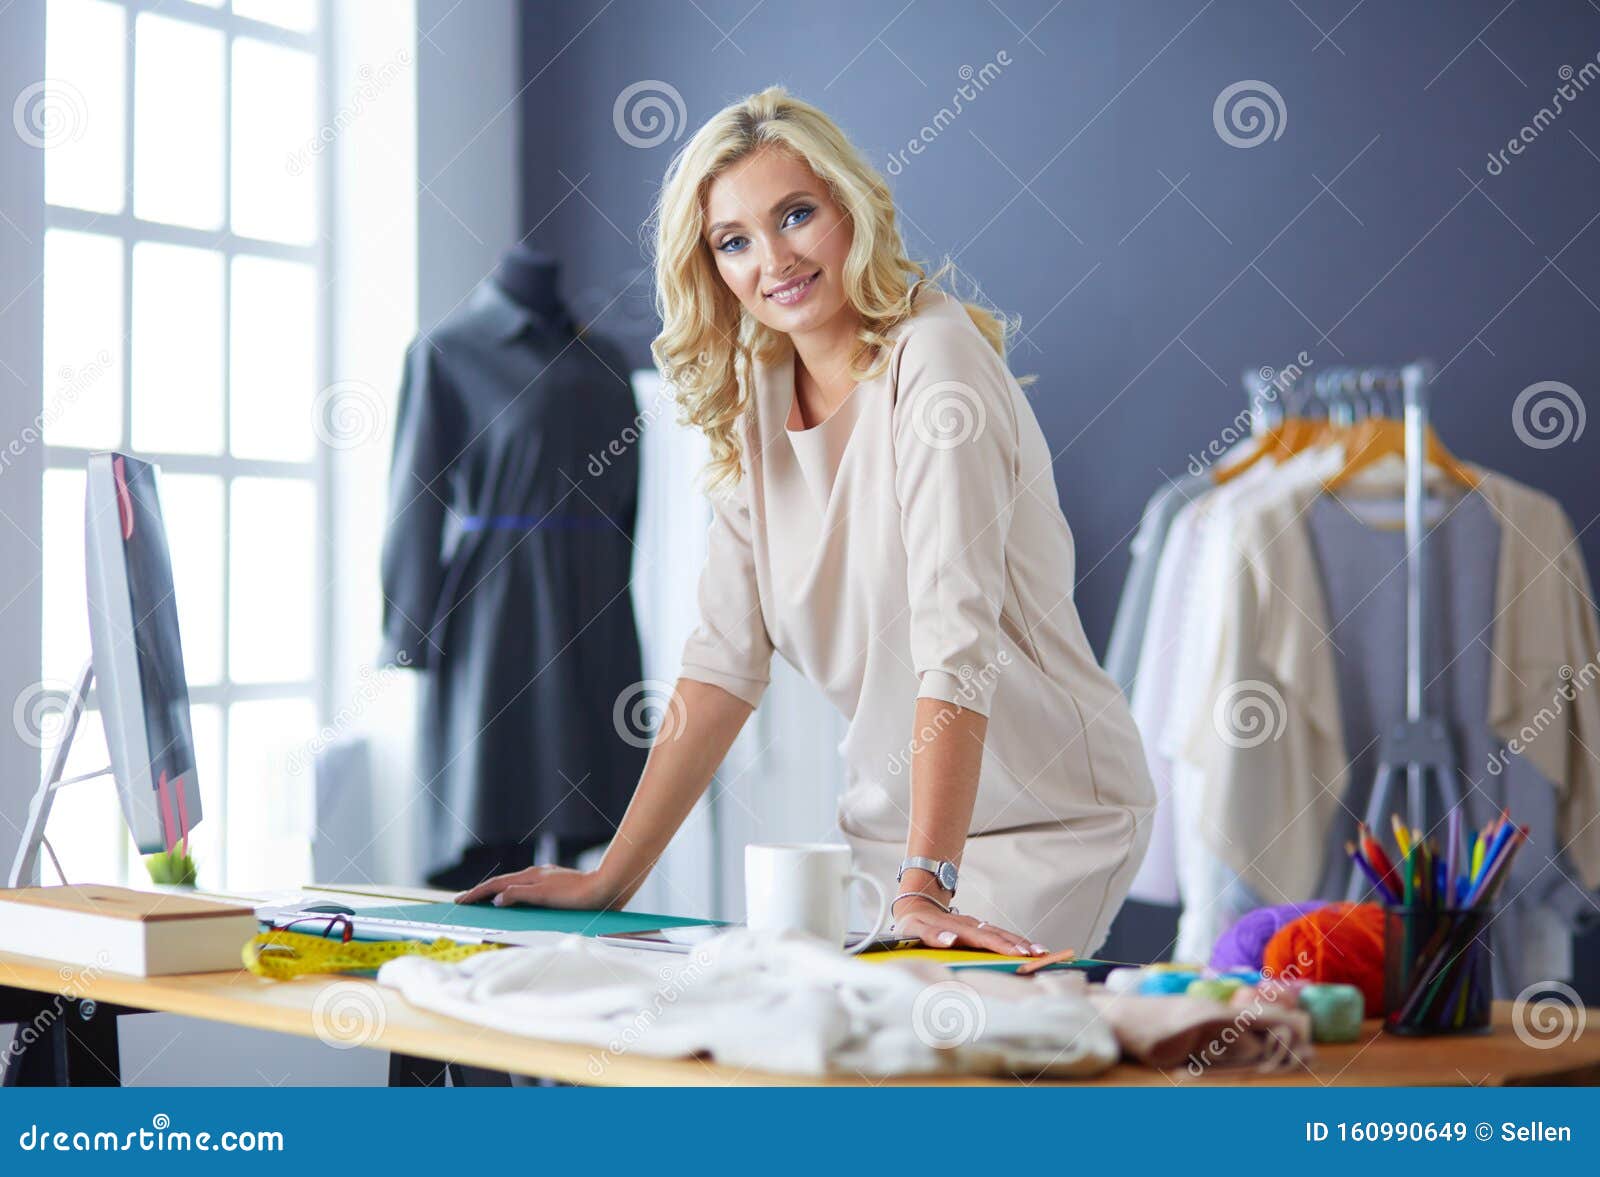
(1163, 983)
(1335, 1011)
(1243, 976)
(1244, 945)
(1214, 988)
(1123, 980)
(1340, 943)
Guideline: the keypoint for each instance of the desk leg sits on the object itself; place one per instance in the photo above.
(406, 1070)
(60, 1042)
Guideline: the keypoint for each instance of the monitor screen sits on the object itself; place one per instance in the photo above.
(138, 655)
(155, 638)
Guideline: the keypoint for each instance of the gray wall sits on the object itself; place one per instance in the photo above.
(1142, 305)
(1054, 190)
(467, 128)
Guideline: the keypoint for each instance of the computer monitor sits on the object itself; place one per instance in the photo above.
(137, 663)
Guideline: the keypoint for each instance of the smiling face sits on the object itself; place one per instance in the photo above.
(780, 241)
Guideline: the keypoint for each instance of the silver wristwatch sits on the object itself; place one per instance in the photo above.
(944, 872)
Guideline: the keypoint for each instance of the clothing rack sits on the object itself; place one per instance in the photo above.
(1420, 743)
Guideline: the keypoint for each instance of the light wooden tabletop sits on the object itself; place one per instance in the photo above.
(358, 1012)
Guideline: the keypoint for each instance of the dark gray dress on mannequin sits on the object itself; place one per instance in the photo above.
(506, 566)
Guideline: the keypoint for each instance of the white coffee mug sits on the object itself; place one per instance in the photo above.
(804, 886)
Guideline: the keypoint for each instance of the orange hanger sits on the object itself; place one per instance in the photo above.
(1377, 438)
(1283, 441)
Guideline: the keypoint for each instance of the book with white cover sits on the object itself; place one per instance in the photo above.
(145, 933)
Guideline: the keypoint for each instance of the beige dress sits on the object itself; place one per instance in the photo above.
(912, 545)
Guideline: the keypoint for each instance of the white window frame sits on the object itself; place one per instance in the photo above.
(131, 230)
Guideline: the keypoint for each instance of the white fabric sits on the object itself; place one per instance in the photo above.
(769, 1001)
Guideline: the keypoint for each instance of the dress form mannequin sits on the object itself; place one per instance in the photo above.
(505, 359)
(531, 278)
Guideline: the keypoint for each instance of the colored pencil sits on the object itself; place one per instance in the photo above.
(1375, 854)
(1453, 832)
(1490, 858)
(1402, 838)
(1367, 869)
(1497, 873)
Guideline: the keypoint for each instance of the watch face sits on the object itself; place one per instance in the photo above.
(947, 876)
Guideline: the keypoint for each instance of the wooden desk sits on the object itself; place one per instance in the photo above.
(380, 1019)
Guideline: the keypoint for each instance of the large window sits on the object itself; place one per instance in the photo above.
(184, 321)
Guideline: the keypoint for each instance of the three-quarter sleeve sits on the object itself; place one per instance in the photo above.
(730, 647)
(956, 480)
(426, 443)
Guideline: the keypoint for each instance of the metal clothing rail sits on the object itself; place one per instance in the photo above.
(1420, 743)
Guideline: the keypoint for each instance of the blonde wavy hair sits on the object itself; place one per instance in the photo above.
(709, 344)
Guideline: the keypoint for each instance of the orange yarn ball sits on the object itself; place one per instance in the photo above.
(1342, 942)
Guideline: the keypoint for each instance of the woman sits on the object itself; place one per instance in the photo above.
(885, 517)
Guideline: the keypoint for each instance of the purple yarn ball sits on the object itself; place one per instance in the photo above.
(1245, 944)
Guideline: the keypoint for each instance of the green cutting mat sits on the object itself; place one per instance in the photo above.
(531, 919)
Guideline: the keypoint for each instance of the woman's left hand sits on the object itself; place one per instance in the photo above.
(941, 929)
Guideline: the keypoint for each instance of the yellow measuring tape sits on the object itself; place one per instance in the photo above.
(281, 956)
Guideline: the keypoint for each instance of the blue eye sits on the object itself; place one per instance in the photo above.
(804, 212)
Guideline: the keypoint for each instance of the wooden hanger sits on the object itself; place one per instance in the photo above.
(1376, 438)
(1283, 441)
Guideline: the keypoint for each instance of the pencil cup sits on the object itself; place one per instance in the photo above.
(1436, 970)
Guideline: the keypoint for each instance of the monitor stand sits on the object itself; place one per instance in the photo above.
(27, 859)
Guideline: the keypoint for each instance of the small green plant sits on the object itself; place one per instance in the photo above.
(173, 866)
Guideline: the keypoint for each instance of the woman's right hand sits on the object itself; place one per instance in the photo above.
(547, 886)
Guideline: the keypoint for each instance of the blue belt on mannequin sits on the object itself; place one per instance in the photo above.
(553, 522)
